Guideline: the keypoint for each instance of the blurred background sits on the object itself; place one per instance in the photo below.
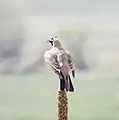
(89, 29)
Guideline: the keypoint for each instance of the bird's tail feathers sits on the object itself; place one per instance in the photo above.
(69, 84)
(66, 83)
(71, 87)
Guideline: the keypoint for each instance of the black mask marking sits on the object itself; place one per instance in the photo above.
(51, 42)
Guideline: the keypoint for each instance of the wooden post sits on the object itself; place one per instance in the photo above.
(62, 105)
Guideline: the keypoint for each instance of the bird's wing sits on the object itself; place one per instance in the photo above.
(51, 60)
(71, 63)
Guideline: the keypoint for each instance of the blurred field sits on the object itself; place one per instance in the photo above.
(34, 97)
(25, 25)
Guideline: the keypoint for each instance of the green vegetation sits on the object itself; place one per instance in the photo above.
(34, 97)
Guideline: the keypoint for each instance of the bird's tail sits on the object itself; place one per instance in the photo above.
(66, 83)
(70, 84)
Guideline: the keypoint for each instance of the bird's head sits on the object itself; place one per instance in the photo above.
(55, 42)
(51, 41)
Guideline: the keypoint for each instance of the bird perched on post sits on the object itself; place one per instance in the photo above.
(61, 63)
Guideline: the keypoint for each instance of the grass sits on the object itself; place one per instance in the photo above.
(34, 97)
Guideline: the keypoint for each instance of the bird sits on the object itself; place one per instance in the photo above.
(61, 62)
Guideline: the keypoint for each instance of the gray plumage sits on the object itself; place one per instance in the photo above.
(61, 63)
